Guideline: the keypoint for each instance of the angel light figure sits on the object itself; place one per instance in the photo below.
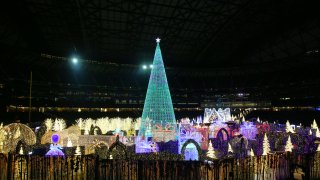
(55, 149)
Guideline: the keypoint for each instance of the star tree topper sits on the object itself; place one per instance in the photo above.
(158, 40)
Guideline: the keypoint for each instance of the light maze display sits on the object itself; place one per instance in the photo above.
(158, 136)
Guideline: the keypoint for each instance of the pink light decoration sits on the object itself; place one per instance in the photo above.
(204, 131)
(263, 128)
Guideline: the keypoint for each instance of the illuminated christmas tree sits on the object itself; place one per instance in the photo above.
(158, 106)
(211, 153)
(314, 125)
(266, 145)
(251, 152)
(59, 125)
(288, 127)
(289, 145)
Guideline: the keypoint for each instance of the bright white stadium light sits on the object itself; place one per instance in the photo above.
(144, 67)
(150, 66)
(74, 60)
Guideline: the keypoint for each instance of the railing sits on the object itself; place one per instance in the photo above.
(273, 166)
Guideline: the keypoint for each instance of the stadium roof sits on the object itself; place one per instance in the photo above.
(216, 43)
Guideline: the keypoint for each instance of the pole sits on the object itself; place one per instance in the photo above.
(30, 93)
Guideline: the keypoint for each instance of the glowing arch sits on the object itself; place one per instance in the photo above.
(118, 146)
(191, 141)
(92, 129)
(220, 133)
(220, 138)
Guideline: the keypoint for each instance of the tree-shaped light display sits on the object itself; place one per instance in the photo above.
(314, 125)
(158, 104)
(288, 127)
(211, 153)
(266, 145)
(230, 148)
(59, 125)
(56, 126)
(49, 124)
(87, 125)
(251, 152)
(80, 123)
(289, 145)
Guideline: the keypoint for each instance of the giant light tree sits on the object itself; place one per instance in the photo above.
(158, 119)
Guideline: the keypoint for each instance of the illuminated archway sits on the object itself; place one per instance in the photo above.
(191, 150)
(220, 137)
(118, 150)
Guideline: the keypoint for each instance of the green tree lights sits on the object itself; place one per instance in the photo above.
(158, 115)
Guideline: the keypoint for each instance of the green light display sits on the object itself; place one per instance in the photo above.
(158, 114)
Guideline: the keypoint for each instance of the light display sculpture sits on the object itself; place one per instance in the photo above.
(11, 134)
(188, 131)
(204, 132)
(289, 145)
(289, 127)
(314, 125)
(248, 130)
(251, 152)
(55, 149)
(215, 127)
(211, 153)
(191, 152)
(211, 115)
(158, 108)
(263, 127)
(266, 145)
